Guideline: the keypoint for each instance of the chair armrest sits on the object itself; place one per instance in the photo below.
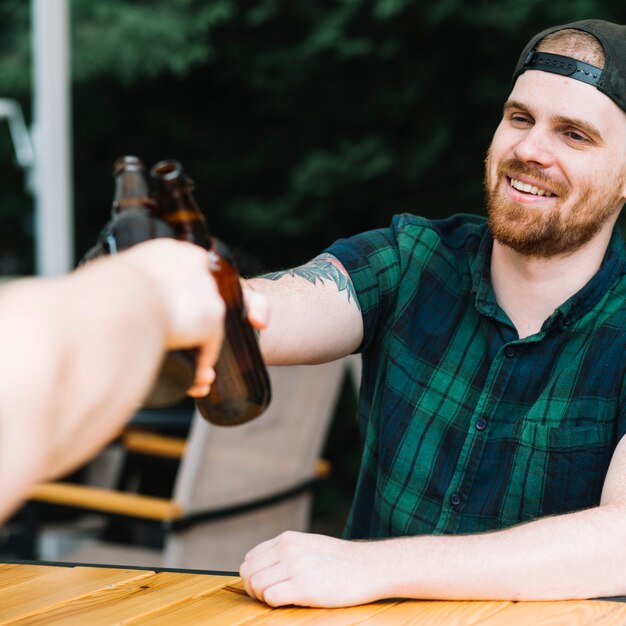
(143, 442)
(107, 501)
(152, 444)
(323, 469)
(158, 509)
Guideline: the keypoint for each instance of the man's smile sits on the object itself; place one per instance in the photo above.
(529, 188)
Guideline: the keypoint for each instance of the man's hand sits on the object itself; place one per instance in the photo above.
(312, 570)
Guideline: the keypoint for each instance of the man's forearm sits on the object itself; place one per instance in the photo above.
(285, 340)
(578, 555)
(314, 314)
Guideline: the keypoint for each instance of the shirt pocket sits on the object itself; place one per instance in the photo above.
(566, 465)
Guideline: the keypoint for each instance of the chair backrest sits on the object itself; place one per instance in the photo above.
(226, 466)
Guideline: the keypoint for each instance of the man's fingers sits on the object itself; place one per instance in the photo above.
(257, 308)
(256, 560)
(279, 594)
(266, 579)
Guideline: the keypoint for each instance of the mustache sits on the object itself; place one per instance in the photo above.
(512, 167)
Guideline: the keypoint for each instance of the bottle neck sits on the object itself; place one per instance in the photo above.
(131, 192)
(178, 208)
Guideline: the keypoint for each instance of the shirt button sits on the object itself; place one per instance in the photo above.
(455, 499)
(510, 352)
(481, 424)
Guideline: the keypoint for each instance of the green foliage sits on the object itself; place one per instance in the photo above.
(300, 121)
(127, 40)
(143, 39)
(15, 54)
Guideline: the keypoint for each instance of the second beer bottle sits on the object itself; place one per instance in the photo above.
(241, 390)
(134, 220)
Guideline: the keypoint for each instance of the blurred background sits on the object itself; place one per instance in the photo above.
(300, 122)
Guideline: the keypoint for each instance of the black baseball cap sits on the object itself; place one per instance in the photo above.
(610, 80)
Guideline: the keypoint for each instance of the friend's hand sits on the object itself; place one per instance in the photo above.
(311, 570)
(195, 310)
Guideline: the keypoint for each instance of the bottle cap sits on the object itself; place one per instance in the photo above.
(128, 163)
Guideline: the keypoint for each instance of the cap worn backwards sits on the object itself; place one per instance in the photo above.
(610, 80)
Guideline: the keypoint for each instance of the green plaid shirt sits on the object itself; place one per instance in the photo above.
(465, 427)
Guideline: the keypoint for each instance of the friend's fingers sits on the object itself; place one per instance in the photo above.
(202, 384)
(207, 356)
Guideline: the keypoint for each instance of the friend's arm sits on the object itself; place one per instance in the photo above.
(80, 352)
(314, 315)
(577, 555)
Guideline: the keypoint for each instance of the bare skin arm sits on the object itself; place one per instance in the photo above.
(577, 555)
(80, 352)
(314, 315)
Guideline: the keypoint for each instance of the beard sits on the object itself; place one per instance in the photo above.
(544, 233)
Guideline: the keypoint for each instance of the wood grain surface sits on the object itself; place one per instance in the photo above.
(99, 596)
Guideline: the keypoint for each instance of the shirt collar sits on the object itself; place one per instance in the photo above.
(480, 267)
(613, 265)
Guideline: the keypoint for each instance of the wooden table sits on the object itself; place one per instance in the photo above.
(63, 594)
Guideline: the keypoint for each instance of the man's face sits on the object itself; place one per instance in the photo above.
(556, 169)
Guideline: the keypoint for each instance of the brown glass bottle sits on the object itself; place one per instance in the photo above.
(134, 219)
(241, 390)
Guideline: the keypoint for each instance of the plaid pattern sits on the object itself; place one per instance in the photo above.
(466, 428)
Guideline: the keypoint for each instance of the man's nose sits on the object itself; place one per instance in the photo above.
(535, 147)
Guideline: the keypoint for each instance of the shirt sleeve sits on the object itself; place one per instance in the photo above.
(373, 261)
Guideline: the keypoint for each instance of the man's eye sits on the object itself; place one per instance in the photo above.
(576, 136)
(520, 120)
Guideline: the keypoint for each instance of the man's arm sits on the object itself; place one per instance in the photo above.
(314, 315)
(577, 555)
(80, 352)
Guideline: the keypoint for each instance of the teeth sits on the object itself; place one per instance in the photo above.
(526, 187)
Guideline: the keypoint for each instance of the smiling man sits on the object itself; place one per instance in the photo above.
(493, 399)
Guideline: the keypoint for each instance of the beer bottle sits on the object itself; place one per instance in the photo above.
(241, 390)
(133, 220)
(133, 212)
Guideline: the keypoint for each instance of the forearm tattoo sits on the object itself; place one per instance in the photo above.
(323, 267)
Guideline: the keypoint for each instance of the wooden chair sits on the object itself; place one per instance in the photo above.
(234, 487)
